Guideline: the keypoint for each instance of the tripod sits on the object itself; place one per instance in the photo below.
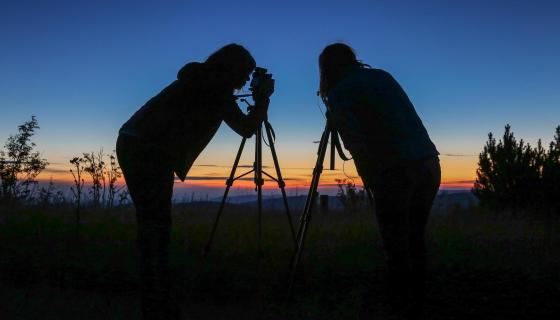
(305, 219)
(259, 181)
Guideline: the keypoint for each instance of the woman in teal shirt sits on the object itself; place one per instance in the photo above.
(395, 158)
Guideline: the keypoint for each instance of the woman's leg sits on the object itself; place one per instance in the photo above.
(428, 176)
(150, 183)
(392, 192)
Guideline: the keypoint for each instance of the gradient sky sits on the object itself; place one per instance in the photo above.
(84, 67)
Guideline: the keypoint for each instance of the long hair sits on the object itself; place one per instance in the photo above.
(332, 62)
(231, 60)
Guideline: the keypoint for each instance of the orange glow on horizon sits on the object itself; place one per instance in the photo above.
(457, 173)
(67, 179)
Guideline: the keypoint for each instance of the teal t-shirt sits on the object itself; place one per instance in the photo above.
(377, 121)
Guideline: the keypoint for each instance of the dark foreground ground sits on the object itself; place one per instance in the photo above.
(482, 266)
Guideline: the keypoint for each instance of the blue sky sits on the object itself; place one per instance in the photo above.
(84, 67)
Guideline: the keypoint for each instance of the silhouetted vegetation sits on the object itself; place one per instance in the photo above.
(514, 175)
(114, 190)
(350, 196)
(104, 189)
(20, 164)
(50, 195)
(95, 167)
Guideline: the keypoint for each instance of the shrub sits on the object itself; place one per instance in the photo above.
(511, 174)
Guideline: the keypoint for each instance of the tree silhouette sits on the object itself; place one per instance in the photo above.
(20, 164)
(551, 173)
(511, 174)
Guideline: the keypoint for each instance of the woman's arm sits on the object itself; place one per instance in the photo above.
(245, 124)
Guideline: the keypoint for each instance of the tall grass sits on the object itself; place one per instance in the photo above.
(479, 263)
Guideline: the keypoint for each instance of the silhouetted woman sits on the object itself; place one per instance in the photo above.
(164, 137)
(395, 158)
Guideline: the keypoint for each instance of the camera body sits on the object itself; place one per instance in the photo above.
(260, 75)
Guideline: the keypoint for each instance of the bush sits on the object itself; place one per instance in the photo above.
(514, 175)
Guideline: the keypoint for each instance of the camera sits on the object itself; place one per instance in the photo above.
(260, 75)
(258, 84)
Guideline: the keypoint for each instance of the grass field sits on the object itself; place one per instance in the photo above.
(481, 266)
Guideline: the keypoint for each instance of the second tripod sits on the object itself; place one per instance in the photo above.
(329, 133)
(258, 174)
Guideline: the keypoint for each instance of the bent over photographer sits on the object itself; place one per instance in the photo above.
(395, 158)
(164, 137)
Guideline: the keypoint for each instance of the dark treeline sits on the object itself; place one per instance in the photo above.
(513, 175)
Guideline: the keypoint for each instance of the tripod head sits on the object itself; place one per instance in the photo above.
(330, 132)
(261, 86)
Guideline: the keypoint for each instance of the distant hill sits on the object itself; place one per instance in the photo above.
(444, 202)
(268, 202)
(451, 200)
(294, 202)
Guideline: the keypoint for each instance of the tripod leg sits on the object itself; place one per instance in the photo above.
(306, 215)
(281, 183)
(314, 181)
(229, 183)
(259, 183)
